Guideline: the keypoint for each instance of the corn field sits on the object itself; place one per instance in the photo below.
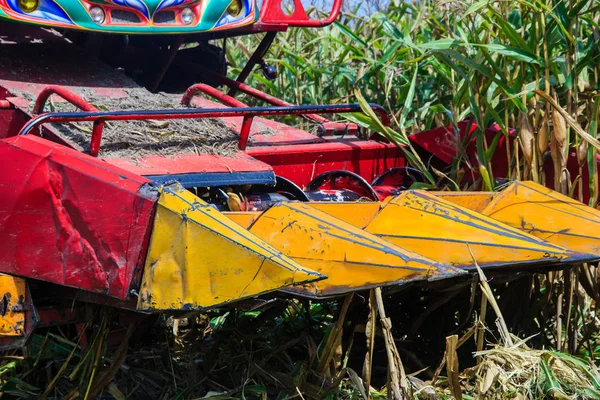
(516, 64)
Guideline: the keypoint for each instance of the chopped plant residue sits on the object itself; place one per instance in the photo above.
(134, 139)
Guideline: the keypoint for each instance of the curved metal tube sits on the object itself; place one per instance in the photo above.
(247, 112)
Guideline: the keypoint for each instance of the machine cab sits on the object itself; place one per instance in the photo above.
(133, 16)
(161, 16)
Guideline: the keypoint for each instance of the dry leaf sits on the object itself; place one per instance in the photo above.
(582, 151)
(234, 202)
(526, 139)
(559, 147)
(452, 366)
(161, 124)
(491, 375)
(543, 135)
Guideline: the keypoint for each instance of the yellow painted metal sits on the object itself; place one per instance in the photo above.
(243, 218)
(198, 258)
(525, 225)
(443, 231)
(549, 215)
(358, 214)
(13, 294)
(351, 258)
(474, 201)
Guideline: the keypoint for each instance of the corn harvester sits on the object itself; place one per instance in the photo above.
(110, 196)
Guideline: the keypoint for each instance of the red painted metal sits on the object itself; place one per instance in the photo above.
(301, 163)
(336, 180)
(77, 101)
(71, 219)
(190, 163)
(272, 14)
(211, 91)
(4, 104)
(383, 192)
(245, 131)
(11, 122)
(442, 142)
(225, 99)
(67, 95)
(19, 117)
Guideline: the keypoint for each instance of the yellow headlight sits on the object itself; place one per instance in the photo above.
(28, 6)
(235, 8)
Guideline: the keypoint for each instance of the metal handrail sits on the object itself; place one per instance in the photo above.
(248, 113)
(325, 125)
(208, 90)
(77, 101)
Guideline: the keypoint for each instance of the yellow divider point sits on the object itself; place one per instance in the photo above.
(549, 215)
(351, 258)
(441, 230)
(198, 258)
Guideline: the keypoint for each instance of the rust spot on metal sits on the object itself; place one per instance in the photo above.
(4, 304)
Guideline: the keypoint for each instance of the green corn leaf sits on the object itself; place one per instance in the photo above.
(513, 52)
(409, 99)
(507, 29)
(346, 31)
(475, 7)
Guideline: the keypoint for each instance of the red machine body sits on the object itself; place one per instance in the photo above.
(51, 199)
(83, 221)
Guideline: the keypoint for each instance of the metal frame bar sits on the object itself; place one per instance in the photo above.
(326, 126)
(186, 99)
(77, 101)
(247, 112)
(258, 55)
(214, 179)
